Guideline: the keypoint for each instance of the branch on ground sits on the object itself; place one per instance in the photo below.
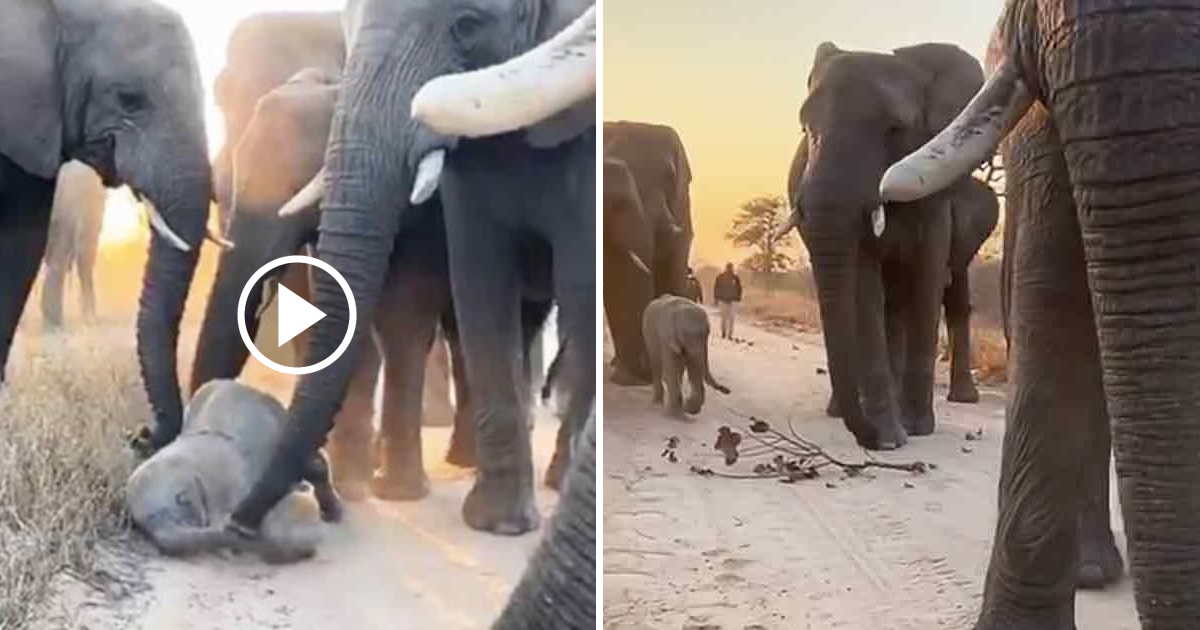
(785, 457)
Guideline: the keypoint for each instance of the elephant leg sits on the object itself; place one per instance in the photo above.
(625, 298)
(575, 288)
(439, 412)
(25, 208)
(695, 371)
(672, 367)
(1056, 439)
(926, 287)
(353, 428)
(53, 286)
(896, 315)
(462, 438)
(486, 283)
(957, 300)
(407, 325)
(656, 367)
(85, 270)
(874, 367)
(319, 475)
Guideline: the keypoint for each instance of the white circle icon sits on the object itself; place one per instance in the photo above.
(304, 260)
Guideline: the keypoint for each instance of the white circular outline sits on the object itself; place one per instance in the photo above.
(304, 260)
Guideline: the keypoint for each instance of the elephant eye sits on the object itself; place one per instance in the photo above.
(466, 28)
(131, 102)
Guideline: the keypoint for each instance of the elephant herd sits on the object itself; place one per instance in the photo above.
(395, 141)
(1093, 109)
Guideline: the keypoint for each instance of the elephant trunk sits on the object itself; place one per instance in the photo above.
(165, 284)
(558, 588)
(370, 172)
(835, 268)
(220, 352)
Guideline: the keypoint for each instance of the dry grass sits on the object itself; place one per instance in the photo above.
(782, 308)
(63, 460)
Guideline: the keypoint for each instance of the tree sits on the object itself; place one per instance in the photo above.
(754, 227)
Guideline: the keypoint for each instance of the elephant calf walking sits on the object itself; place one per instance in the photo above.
(182, 495)
(676, 333)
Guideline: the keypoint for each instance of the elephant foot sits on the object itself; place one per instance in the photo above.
(398, 486)
(883, 435)
(832, 409)
(963, 391)
(556, 472)
(1100, 563)
(502, 504)
(626, 377)
(351, 470)
(923, 424)
(692, 406)
(1015, 621)
(461, 452)
(329, 503)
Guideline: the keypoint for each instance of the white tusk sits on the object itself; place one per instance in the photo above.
(518, 93)
(793, 221)
(429, 171)
(306, 197)
(165, 231)
(969, 140)
(219, 240)
(641, 264)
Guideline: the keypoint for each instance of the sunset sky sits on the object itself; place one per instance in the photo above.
(729, 76)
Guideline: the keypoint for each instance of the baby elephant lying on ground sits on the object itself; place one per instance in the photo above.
(676, 333)
(182, 496)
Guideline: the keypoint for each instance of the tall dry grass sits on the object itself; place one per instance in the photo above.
(63, 459)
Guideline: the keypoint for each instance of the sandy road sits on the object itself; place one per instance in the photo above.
(890, 551)
(389, 565)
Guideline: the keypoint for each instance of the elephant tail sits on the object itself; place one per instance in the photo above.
(712, 382)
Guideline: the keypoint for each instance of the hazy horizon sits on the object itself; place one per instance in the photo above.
(731, 81)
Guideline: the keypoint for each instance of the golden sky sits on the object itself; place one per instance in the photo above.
(729, 76)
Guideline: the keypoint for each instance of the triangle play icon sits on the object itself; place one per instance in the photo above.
(296, 315)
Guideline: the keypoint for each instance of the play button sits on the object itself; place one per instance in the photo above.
(294, 314)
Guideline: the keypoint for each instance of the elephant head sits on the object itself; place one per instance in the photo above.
(381, 161)
(281, 148)
(863, 112)
(627, 229)
(115, 84)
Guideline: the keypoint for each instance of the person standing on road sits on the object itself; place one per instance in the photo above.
(727, 290)
(694, 292)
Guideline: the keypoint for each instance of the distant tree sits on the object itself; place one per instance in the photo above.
(754, 227)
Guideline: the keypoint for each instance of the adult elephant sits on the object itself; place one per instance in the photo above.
(282, 148)
(882, 273)
(114, 85)
(650, 202)
(509, 201)
(75, 221)
(1100, 274)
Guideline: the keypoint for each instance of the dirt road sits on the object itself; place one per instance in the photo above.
(390, 565)
(892, 552)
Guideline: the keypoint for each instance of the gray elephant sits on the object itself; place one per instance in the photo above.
(282, 148)
(182, 495)
(75, 222)
(558, 589)
(1100, 284)
(676, 333)
(647, 233)
(883, 273)
(511, 203)
(113, 84)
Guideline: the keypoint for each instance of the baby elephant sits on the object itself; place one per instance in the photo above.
(676, 333)
(183, 495)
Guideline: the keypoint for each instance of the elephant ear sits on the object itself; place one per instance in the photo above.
(825, 52)
(550, 17)
(954, 76)
(31, 126)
